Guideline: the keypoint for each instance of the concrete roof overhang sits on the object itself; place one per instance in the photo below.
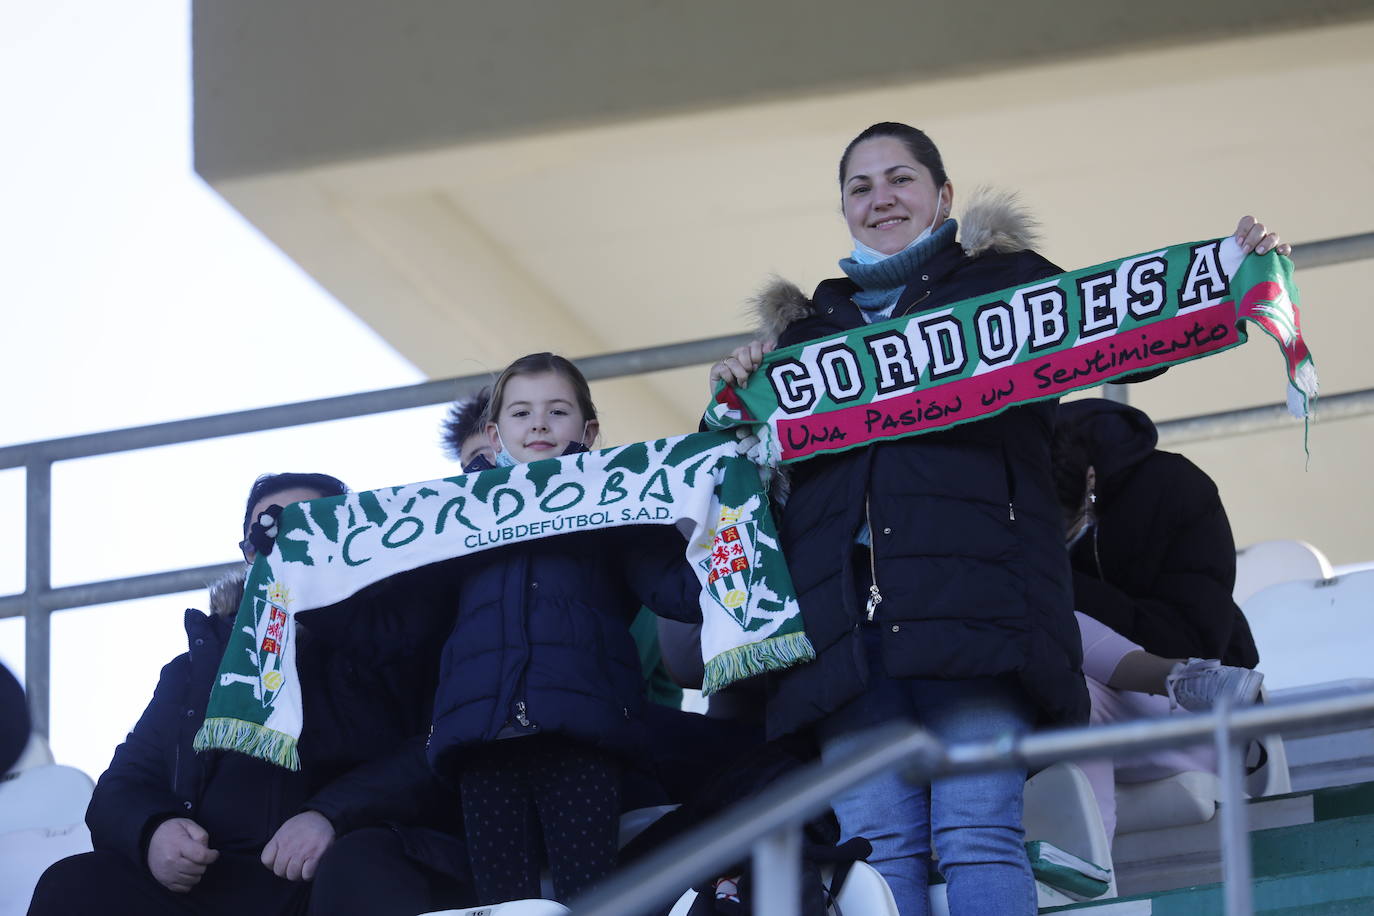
(478, 181)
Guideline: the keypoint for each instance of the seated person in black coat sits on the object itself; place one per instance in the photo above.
(1155, 560)
(1153, 569)
(175, 831)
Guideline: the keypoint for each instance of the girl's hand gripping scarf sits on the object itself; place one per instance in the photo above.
(330, 549)
(978, 357)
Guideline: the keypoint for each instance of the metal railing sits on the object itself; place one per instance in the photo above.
(770, 823)
(39, 599)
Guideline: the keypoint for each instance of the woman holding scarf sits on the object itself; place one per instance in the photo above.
(931, 570)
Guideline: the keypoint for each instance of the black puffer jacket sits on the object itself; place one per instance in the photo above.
(967, 534)
(356, 766)
(1160, 564)
(541, 640)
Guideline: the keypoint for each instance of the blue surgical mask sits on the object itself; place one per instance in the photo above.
(865, 255)
(505, 459)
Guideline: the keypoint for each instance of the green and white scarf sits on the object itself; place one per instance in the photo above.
(976, 358)
(329, 549)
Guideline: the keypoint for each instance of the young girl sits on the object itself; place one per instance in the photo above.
(540, 686)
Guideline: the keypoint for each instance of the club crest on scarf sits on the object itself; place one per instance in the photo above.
(728, 567)
(269, 636)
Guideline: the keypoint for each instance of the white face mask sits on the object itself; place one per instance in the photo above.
(865, 255)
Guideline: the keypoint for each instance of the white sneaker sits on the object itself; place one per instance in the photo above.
(1199, 683)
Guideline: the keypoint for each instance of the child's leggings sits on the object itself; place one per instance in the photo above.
(514, 787)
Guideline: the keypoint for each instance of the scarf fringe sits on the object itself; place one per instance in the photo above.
(250, 738)
(772, 654)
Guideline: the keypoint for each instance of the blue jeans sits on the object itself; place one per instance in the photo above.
(973, 821)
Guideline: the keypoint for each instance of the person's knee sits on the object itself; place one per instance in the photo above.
(68, 885)
(980, 845)
(977, 819)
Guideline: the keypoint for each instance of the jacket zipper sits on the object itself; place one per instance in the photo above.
(521, 710)
(1011, 486)
(911, 305)
(875, 597)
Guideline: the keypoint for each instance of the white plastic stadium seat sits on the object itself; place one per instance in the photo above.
(513, 908)
(1174, 801)
(44, 796)
(42, 819)
(864, 891)
(36, 754)
(1271, 562)
(1191, 797)
(1060, 809)
(1273, 778)
(26, 854)
(1313, 630)
(684, 903)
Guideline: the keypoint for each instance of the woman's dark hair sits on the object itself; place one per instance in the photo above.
(463, 419)
(1070, 457)
(268, 484)
(538, 364)
(921, 147)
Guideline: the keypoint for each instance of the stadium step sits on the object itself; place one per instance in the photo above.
(1335, 890)
(1357, 906)
(1160, 860)
(1343, 801)
(1318, 860)
(1321, 846)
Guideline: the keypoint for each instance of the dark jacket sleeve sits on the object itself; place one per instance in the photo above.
(397, 788)
(135, 794)
(657, 571)
(1186, 610)
(681, 646)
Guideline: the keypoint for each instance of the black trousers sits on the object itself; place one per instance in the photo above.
(514, 788)
(367, 873)
(108, 884)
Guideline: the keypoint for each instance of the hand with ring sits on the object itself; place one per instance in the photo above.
(735, 368)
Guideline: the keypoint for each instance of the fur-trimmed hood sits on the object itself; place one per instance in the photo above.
(993, 221)
(226, 593)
